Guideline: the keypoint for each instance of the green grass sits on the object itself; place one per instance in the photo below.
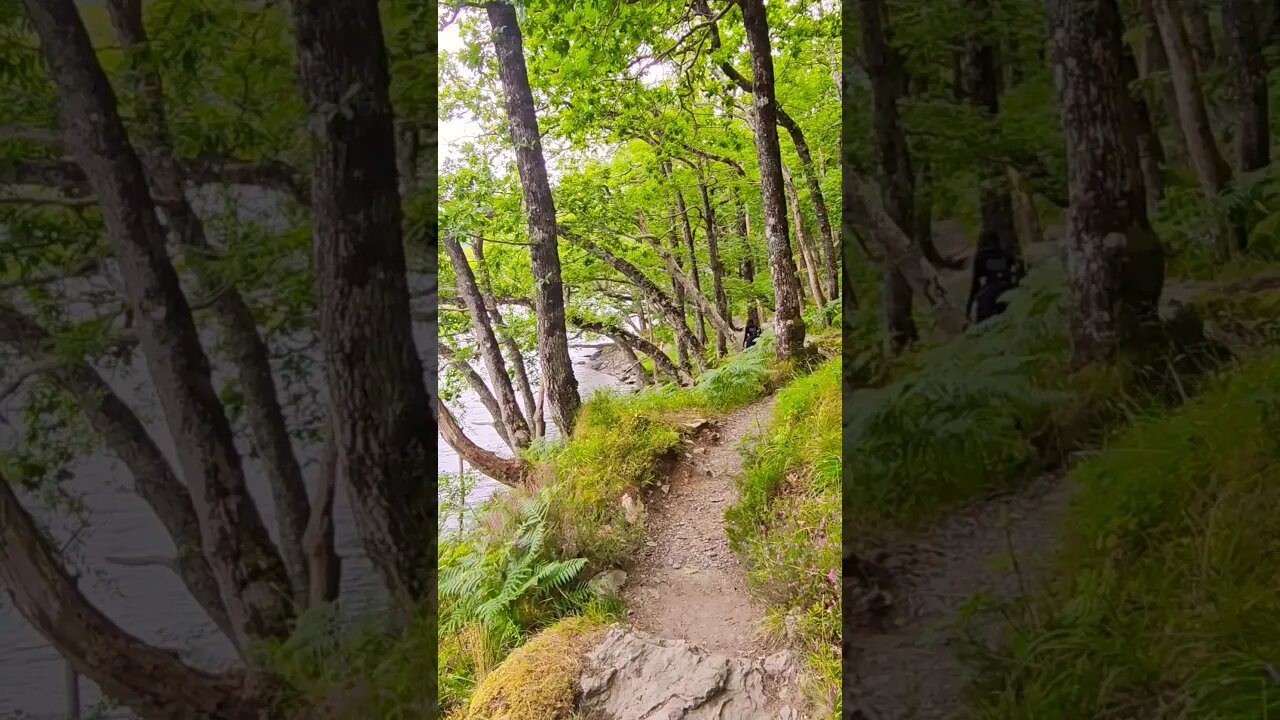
(787, 526)
(1164, 603)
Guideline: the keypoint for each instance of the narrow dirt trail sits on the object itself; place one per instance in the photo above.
(908, 668)
(686, 583)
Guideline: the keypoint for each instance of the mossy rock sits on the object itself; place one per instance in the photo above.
(539, 680)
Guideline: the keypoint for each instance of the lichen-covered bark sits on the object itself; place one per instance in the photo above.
(829, 242)
(251, 576)
(382, 414)
(247, 350)
(1115, 263)
(509, 410)
(152, 682)
(553, 340)
(789, 328)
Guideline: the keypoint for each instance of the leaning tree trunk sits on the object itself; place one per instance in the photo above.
(515, 357)
(126, 436)
(481, 389)
(1115, 262)
(249, 353)
(549, 301)
(717, 268)
(509, 416)
(382, 412)
(508, 471)
(810, 268)
(1157, 69)
(1241, 21)
(885, 68)
(251, 576)
(1199, 33)
(689, 286)
(747, 266)
(1211, 169)
(788, 325)
(628, 339)
(664, 304)
(152, 682)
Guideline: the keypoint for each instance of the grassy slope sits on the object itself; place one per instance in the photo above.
(787, 523)
(1165, 602)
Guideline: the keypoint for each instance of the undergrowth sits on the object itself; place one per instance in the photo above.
(1164, 600)
(786, 523)
(959, 419)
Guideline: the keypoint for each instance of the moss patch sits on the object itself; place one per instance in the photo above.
(537, 681)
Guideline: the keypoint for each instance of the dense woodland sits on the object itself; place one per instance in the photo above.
(1060, 509)
(657, 177)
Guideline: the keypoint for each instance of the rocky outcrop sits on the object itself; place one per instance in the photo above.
(632, 675)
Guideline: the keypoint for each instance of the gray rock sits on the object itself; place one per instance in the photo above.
(632, 675)
(609, 582)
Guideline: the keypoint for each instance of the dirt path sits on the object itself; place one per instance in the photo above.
(686, 583)
(908, 669)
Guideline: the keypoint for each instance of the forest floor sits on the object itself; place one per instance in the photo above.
(910, 668)
(686, 583)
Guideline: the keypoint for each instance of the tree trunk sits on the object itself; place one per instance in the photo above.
(1211, 169)
(126, 436)
(549, 300)
(717, 268)
(515, 357)
(984, 95)
(1157, 63)
(690, 287)
(636, 367)
(509, 471)
(1199, 33)
(1241, 21)
(1025, 215)
(864, 212)
(152, 682)
(624, 337)
(248, 352)
(810, 268)
(1115, 262)
(747, 266)
(482, 391)
(789, 326)
(383, 423)
(324, 565)
(678, 292)
(509, 416)
(884, 67)
(686, 230)
(781, 118)
(251, 576)
(651, 291)
(1150, 151)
